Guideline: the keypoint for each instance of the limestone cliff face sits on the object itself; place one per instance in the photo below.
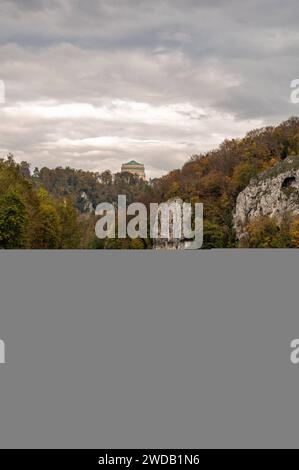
(274, 193)
(171, 243)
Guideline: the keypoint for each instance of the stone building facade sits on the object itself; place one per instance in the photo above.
(134, 168)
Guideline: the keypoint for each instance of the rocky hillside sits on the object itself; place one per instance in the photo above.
(274, 193)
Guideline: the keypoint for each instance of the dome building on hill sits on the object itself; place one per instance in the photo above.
(134, 168)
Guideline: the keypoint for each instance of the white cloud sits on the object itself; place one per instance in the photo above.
(97, 137)
(91, 84)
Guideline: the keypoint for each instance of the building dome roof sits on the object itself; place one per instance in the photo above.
(133, 162)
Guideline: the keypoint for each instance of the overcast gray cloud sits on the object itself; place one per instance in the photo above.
(92, 84)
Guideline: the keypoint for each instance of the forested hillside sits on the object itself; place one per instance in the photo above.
(217, 177)
(30, 217)
(52, 208)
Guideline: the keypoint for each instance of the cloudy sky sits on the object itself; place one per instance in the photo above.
(94, 83)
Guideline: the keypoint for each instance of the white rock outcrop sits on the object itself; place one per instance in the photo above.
(274, 193)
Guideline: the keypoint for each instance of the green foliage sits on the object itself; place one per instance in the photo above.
(214, 236)
(265, 232)
(47, 234)
(13, 221)
(70, 232)
(29, 216)
(137, 244)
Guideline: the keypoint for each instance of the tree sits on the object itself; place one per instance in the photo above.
(25, 170)
(213, 236)
(48, 231)
(48, 228)
(70, 232)
(294, 232)
(106, 177)
(265, 232)
(137, 244)
(13, 221)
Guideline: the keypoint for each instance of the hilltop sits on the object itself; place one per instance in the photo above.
(215, 178)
